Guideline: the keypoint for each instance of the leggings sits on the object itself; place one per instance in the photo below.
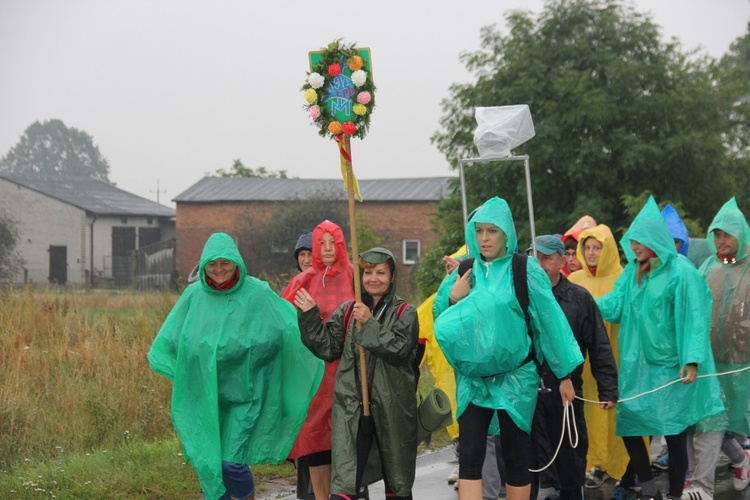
(678, 462)
(515, 443)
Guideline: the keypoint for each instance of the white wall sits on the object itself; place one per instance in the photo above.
(43, 222)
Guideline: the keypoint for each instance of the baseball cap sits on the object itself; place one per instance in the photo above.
(549, 244)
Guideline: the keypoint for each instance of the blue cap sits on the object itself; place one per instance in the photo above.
(549, 244)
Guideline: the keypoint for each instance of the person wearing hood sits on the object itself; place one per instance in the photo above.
(607, 455)
(663, 307)
(484, 335)
(383, 444)
(677, 229)
(241, 379)
(330, 282)
(303, 252)
(570, 240)
(727, 273)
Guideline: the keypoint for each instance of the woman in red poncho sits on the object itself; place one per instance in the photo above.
(330, 282)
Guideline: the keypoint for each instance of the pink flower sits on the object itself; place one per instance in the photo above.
(364, 97)
(315, 112)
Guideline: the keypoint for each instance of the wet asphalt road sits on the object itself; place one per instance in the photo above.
(433, 469)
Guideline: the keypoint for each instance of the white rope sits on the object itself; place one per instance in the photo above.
(569, 412)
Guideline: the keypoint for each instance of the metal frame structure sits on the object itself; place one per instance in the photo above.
(525, 159)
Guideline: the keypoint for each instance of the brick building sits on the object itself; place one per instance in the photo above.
(398, 211)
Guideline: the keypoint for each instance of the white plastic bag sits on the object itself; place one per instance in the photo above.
(502, 128)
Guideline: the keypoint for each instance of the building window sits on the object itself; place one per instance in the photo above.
(124, 219)
(411, 251)
(149, 220)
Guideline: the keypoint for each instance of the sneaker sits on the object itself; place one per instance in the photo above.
(596, 478)
(453, 476)
(742, 474)
(696, 493)
(455, 485)
(661, 462)
(621, 493)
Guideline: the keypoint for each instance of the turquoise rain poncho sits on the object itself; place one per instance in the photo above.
(664, 325)
(484, 336)
(242, 380)
(730, 327)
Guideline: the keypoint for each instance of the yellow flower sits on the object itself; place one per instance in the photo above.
(311, 96)
(360, 109)
(334, 128)
(355, 63)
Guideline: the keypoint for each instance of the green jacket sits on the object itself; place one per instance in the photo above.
(484, 336)
(242, 380)
(664, 324)
(730, 334)
(390, 347)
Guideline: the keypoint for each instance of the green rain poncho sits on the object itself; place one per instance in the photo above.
(664, 325)
(242, 380)
(730, 327)
(484, 336)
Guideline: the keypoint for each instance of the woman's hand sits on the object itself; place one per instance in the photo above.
(608, 405)
(361, 313)
(688, 373)
(450, 264)
(304, 300)
(461, 287)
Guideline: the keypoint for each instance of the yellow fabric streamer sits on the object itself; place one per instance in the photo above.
(345, 157)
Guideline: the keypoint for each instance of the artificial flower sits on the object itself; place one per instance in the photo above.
(355, 63)
(334, 128)
(334, 69)
(349, 128)
(359, 78)
(360, 109)
(315, 112)
(311, 96)
(364, 97)
(316, 80)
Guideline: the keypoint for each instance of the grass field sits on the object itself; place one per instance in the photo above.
(81, 413)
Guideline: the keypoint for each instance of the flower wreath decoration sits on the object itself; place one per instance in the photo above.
(340, 93)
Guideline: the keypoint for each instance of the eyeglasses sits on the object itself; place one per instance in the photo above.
(571, 253)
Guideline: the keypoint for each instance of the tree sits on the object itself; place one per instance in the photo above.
(733, 77)
(616, 111)
(271, 245)
(10, 260)
(240, 170)
(54, 149)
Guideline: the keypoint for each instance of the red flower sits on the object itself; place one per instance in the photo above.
(334, 69)
(349, 128)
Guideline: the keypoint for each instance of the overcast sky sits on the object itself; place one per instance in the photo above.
(171, 90)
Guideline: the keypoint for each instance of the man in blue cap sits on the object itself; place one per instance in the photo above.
(568, 471)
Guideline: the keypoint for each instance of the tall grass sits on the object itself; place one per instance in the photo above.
(75, 375)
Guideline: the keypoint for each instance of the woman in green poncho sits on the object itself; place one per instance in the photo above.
(663, 307)
(242, 380)
(482, 331)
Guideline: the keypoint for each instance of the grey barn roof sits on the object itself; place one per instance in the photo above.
(89, 194)
(219, 189)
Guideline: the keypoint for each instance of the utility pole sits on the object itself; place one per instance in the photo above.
(158, 191)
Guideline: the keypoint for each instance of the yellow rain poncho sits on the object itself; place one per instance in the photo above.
(730, 328)
(484, 336)
(664, 325)
(606, 450)
(242, 380)
(439, 367)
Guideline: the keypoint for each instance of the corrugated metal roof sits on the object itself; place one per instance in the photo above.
(216, 189)
(89, 194)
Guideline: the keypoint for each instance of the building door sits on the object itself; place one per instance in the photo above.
(123, 243)
(58, 265)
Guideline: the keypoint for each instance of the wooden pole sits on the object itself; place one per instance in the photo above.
(355, 262)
